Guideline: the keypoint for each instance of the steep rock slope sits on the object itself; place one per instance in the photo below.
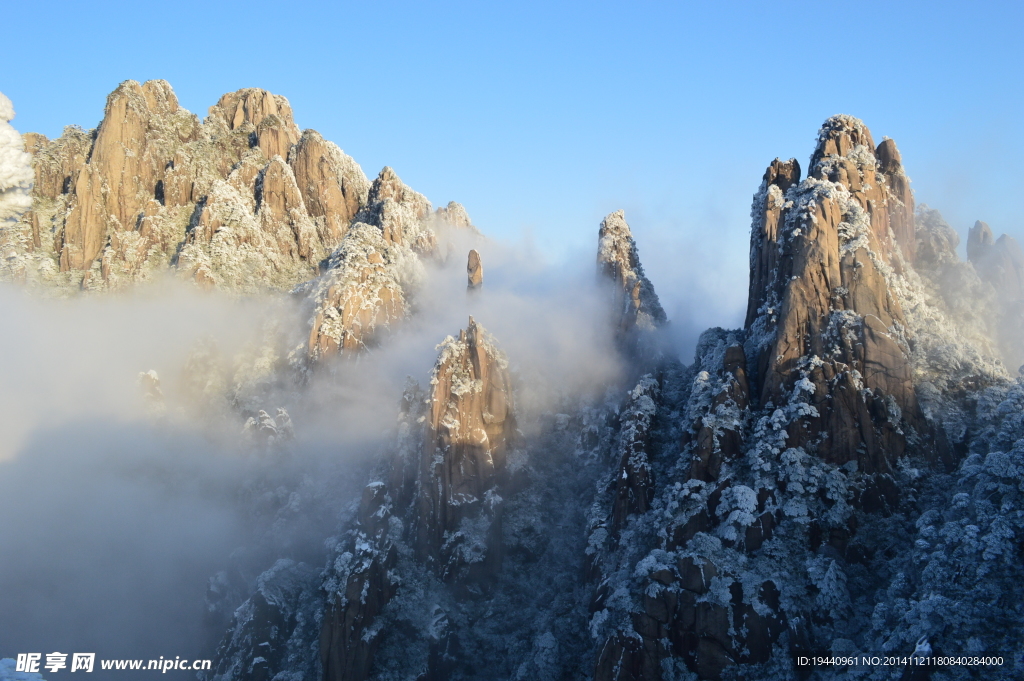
(224, 200)
(638, 309)
(805, 437)
(371, 277)
(822, 318)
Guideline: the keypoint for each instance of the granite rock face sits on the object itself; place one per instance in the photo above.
(474, 270)
(223, 201)
(637, 312)
(822, 319)
(470, 424)
(369, 279)
(440, 507)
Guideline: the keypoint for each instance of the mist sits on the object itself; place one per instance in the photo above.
(120, 507)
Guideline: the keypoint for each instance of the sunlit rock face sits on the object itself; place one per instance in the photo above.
(470, 425)
(241, 201)
(368, 281)
(441, 505)
(823, 325)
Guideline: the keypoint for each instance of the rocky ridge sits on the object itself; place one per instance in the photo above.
(798, 432)
(839, 476)
(243, 200)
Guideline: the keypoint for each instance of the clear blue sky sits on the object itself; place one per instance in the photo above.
(546, 116)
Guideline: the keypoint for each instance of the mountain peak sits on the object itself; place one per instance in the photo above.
(619, 261)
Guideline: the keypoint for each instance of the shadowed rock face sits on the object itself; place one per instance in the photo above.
(362, 586)
(821, 318)
(240, 201)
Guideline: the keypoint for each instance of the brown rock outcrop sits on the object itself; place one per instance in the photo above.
(455, 215)
(446, 475)
(359, 294)
(332, 184)
(828, 333)
(401, 214)
(146, 191)
(474, 271)
(269, 116)
(372, 274)
(470, 424)
(142, 125)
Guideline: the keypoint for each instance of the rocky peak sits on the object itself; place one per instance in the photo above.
(254, 106)
(998, 261)
(470, 425)
(617, 259)
(443, 495)
(455, 215)
(399, 212)
(359, 294)
(979, 240)
(333, 185)
(846, 154)
(474, 271)
(142, 126)
(827, 331)
(388, 185)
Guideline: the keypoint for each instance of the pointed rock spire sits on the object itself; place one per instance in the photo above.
(470, 425)
(474, 271)
(618, 260)
(829, 336)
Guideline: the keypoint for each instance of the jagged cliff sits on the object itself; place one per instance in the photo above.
(636, 308)
(223, 201)
(841, 475)
(441, 504)
(765, 536)
(243, 200)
